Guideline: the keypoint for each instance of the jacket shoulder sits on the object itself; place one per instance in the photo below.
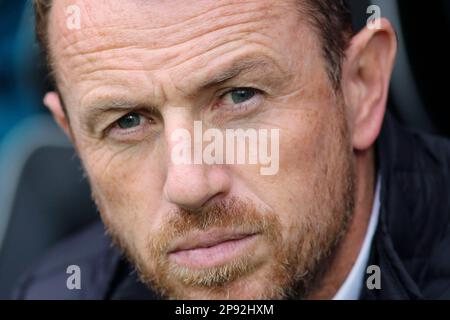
(93, 255)
(415, 218)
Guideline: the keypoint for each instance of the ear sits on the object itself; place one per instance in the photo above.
(366, 74)
(53, 102)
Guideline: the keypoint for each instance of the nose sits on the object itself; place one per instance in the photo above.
(191, 185)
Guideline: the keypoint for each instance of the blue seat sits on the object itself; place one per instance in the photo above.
(43, 195)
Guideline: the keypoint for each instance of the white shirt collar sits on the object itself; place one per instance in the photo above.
(351, 288)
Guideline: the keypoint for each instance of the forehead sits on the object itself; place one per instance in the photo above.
(164, 34)
(167, 15)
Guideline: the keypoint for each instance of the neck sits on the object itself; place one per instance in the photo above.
(351, 243)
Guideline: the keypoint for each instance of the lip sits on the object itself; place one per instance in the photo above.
(202, 250)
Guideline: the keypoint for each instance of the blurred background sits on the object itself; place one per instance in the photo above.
(43, 194)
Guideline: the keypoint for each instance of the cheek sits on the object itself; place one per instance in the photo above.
(127, 186)
(308, 145)
(300, 145)
(300, 153)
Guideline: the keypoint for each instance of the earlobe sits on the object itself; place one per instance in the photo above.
(53, 102)
(365, 82)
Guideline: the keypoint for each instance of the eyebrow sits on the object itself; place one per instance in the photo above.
(237, 68)
(259, 65)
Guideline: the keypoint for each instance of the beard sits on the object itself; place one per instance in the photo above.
(298, 252)
(296, 265)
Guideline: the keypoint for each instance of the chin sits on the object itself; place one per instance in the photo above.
(264, 282)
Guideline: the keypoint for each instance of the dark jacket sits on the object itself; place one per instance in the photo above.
(411, 245)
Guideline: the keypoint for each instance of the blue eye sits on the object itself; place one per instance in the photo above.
(241, 95)
(129, 121)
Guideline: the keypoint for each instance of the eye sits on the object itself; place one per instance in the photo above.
(132, 127)
(239, 95)
(129, 121)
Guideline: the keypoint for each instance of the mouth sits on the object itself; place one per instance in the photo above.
(210, 249)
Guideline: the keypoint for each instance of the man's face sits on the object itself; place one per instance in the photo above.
(137, 71)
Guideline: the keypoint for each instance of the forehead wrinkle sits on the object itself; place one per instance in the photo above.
(141, 41)
(190, 28)
(109, 65)
(138, 58)
(176, 35)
